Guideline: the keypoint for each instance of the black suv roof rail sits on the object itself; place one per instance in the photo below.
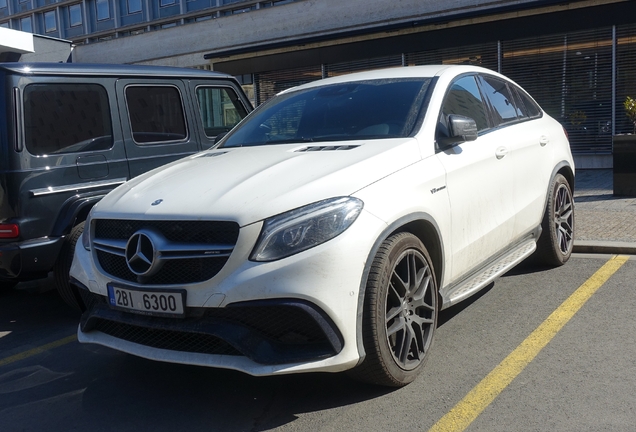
(85, 69)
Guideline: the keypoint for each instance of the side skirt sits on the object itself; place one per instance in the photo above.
(491, 271)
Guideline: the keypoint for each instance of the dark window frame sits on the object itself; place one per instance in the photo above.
(182, 107)
(525, 99)
(234, 102)
(494, 113)
(97, 141)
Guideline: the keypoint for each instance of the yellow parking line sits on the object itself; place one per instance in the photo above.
(467, 410)
(37, 350)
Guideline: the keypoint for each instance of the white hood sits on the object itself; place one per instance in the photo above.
(249, 184)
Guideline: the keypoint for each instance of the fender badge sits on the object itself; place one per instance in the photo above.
(159, 201)
(435, 190)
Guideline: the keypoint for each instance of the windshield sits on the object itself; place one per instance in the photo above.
(374, 109)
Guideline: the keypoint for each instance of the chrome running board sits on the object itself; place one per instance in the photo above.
(484, 277)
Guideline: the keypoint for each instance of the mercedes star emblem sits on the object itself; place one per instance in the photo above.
(141, 254)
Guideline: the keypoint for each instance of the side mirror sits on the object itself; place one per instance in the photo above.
(461, 129)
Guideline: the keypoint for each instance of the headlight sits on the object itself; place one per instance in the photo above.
(305, 227)
(86, 235)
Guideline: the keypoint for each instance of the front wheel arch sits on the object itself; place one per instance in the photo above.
(400, 312)
(423, 226)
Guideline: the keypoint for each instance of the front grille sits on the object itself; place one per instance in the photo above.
(175, 272)
(189, 270)
(167, 339)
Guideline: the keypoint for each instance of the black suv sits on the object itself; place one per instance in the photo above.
(71, 133)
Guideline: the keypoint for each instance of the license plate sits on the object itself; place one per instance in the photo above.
(148, 302)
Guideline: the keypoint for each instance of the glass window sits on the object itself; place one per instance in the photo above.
(3, 4)
(220, 109)
(156, 114)
(103, 9)
(167, 2)
(75, 15)
(374, 109)
(50, 22)
(502, 102)
(464, 99)
(531, 108)
(65, 118)
(134, 6)
(25, 24)
(4, 24)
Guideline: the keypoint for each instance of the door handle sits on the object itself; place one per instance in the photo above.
(501, 152)
(543, 140)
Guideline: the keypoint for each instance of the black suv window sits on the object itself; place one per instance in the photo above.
(220, 109)
(501, 100)
(156, 114)
(66, 118)
(464, 99)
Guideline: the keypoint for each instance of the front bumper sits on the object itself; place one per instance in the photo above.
(297, 314)
(267, 332)
(29, 259)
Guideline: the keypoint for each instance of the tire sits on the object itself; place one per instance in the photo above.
(68, 292)
(557, 238)
(400, 313)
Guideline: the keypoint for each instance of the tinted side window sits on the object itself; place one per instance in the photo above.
(66, 118)
(156, 114)
(532, 108)
(463, 98)
(501, 100)
(220, 109)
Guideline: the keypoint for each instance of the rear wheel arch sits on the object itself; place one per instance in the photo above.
(566, 171)
(73, 212)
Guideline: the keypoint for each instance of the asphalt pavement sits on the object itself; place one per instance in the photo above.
(604, 223)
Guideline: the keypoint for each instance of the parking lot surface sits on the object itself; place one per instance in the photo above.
(582, 379)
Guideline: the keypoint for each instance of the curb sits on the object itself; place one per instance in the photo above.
(604, 247)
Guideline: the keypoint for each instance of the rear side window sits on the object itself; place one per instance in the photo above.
(501, 100)
(66, 118)
(156, 114)
(532, 109)
(220, 109)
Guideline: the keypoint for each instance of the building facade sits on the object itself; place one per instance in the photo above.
(577, 57)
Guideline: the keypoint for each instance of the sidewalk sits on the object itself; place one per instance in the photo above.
(603, 223)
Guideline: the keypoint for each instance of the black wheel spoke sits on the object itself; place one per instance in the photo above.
(396, 326)
(410, 309)
(563, 219)
(407, 341)
(392, 313)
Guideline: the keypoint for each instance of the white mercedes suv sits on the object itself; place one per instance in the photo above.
(327, 230)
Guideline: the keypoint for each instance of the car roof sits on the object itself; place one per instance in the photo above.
(86, 69)
(428, 71)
